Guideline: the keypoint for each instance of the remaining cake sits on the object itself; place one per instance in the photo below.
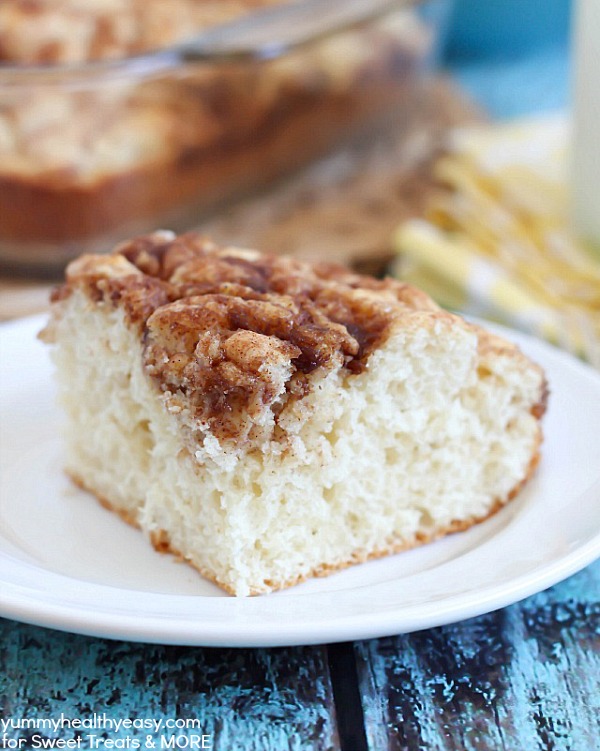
(270, 421)
(92, 153)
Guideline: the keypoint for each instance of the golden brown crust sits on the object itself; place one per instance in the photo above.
(104, 502)
(539, 408)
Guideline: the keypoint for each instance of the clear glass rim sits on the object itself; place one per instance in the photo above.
(263, 35)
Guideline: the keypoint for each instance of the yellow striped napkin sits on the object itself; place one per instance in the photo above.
(497, 242)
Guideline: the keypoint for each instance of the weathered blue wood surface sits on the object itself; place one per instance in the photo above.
(255, 700)
(526, 678)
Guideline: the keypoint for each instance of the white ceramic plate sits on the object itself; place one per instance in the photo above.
(67, 563)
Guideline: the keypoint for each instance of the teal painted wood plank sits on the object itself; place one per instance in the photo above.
(526, 678)
(251, 700)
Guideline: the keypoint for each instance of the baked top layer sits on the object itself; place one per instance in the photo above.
(237, 334)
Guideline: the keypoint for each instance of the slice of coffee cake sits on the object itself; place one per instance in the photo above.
(269, 420)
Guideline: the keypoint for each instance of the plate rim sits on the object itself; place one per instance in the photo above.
(112, 626)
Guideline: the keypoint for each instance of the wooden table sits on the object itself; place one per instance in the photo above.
(525, 678)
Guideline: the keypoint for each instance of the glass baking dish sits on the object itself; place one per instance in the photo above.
(93, 152)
